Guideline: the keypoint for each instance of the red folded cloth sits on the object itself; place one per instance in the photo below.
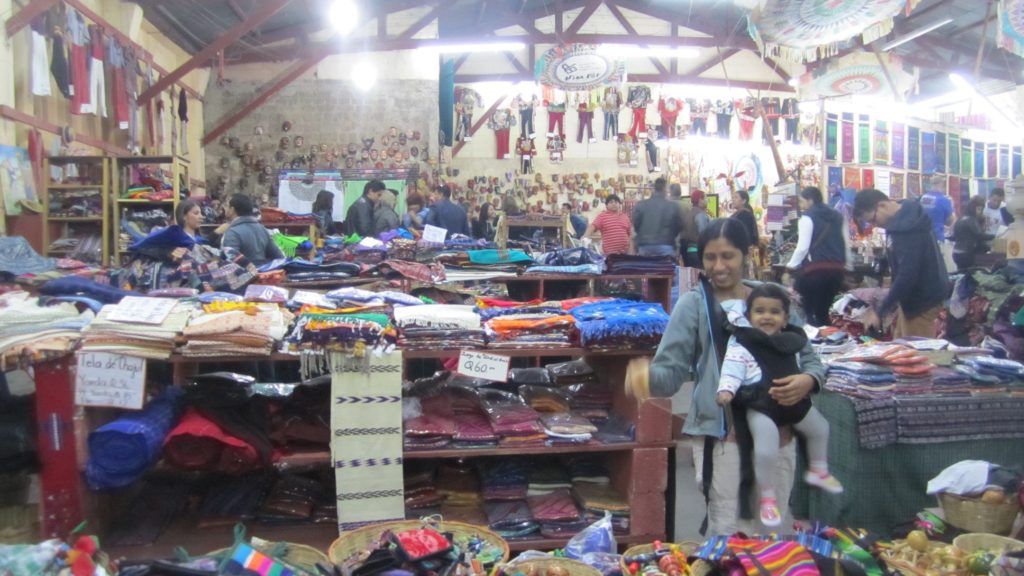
(198, 443)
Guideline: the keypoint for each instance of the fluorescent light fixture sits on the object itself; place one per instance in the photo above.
(364, 75)
(628, 50)
(342, 15)
(469, 48)
(915, 34)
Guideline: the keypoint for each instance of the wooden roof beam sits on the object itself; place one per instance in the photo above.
(714, 62)
(26, 15)
(650, 78)
(585, 15)
(624, 22)
(425, 21)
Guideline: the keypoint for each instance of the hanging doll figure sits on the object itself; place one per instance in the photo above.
(502, 122)
(526, 151)
(610, 105)
(652, 152)
(525, 105)
(639, 98)
(669, 108)
(626, 154)
(556, 149)
(466, 101)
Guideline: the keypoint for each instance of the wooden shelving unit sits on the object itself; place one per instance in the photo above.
(94, 173)
(122, 166)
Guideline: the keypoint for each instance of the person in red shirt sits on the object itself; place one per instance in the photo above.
(615, 228)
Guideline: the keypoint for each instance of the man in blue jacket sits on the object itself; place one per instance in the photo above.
(920, 283)
(446, 214)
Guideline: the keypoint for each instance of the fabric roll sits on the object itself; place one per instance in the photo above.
(121, 451)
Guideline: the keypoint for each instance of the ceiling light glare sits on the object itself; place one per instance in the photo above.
(342, 15)
(626, 50)
(794, 82)
(470, 48)
(364, 75)
(960, 82)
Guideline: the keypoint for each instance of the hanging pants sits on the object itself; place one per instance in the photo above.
(724, 121)
(611, 124)
(80, 80)
(97, 88)
(699, 126)
(556, 119)
(120, 98)
(526, 121)
(639, 123)
(792, 132)
(502, 137)
(652, 155)
(586, 122)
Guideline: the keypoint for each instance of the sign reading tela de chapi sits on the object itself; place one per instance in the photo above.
(111, 380)
(578, 67)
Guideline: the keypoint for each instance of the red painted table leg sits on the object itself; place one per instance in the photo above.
(59, 477)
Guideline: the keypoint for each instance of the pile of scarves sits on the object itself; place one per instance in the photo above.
(438, 326)
(620, 324)
(29, 330)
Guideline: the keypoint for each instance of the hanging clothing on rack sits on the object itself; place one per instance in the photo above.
(669, 109)
(639, 98)
(610, 105)
(131, 82)
(119, 91)
(586, 122)
(147, 80)
(525, 107)
(97, 75)
(723, 113)
(78, 32)
(791, 112)
(699, 110)
(501, 122)
(183, 116)
(40, 61)
(556, 113)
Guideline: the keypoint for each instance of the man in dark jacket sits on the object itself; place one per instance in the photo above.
(359, 218)
(246, 235)
(657, 222)
(446, 214)
(919, 279)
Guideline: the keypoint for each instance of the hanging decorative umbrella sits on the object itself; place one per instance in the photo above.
(1011, 26)
(860, 73)
(806, 30)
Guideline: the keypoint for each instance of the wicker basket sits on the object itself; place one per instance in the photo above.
(906, 567)
(540, 566)
(298, 556)
(997, 544)
(361, 539)
(977, 516)
(686, 547)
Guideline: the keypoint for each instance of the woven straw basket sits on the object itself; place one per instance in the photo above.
(541, 566)
(970, 543)
(977, 516)
(686, 548)
(361, 539)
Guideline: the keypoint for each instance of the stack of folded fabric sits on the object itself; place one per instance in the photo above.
(620, 324)
(504, 479)
(420, 489)
(235, 328)
(545, 400)
(546, 476)
(482, 264)
(911, 370)
(639, 265)
(122, 450)
(949, 382)
(438, 326)
(588, 397)
(472, 427)
(587, 469)
(31, 331)
(511, 519)
(519, 377)
(860, 379)
(321, 328)
(597, 499)
(565, 428)
(153, 341)
(432, 426)
(511, 419)
(530, 329)
(460, 487)
(557, 514)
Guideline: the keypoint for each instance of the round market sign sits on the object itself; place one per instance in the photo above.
(578, 67)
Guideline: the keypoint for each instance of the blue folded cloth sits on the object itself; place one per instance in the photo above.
(121, 451)
(77, 286)
(171, 237)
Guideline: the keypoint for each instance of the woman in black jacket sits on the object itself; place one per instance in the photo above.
(969, 235)
(744, 212)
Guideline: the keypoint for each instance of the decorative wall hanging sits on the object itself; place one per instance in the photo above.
(966, 157)
(913, 148)
(848, 145)
(940, 152)
(864, 139)
(806, 30)
(899, 145)
(881, 142)
(831, 137)
(928, 164)
(1011, 26)
(954, 154)
(859, 73)
(578, 67)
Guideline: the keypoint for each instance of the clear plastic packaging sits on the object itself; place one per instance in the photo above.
(545, 400)
(594, 539)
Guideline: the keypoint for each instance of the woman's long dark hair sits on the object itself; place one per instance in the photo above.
(732, 230)
(324, 201)
(745, 197)
(184, 207)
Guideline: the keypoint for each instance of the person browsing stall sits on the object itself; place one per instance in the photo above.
(821, 255)
(359, 218)
(246, 235)
(614, 226)
(446, 214)
(657, 222)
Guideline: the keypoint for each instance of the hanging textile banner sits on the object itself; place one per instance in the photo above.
(992, 157)
(851, 178)
(366, 443)
(913, 185)
(953, 191)
(913, 148)
(881, 142)
(928, 152)
(966, 157)
(806, 30)
(577, 67)
(1004, 161)
(954, 154)
(940, 152)
(859, 74)
(867, 178)
(882, 179)
(1010, 35)
(899, 145)
(979, 159)
(831, 137)
(1016, 169)
(835, 178)
(896, 186)
(864, 139)
(848, 146)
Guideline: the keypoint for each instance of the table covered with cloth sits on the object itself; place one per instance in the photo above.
(885, 452)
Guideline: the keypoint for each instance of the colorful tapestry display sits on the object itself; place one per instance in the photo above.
(881, 142)
(966, 157)
(867, 178)
(899, 145)
(851, 178)
(979, 159)
(913, 185)
(864, 139)
(913, 148)
(896, 186)
(1016, 169)
(848, 145)
(831, 137)
(940, 152)
(835, 179)
(928, 152)
(1010, 35)
(1004, 160)
(954, 154)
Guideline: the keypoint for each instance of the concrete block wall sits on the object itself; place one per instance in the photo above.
(331, 112)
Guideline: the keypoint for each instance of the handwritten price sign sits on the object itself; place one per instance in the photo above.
(483, 365)
(112, 380)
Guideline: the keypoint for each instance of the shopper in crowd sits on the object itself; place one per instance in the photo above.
(969, 235)
(695, 221)
(744, 212)
(657, 223)
(483, 224)
(937, 206)
(995, 213)
(446, 214)
(188, 217)
(614, 226)
(576, 220)
(246, 235)
(919, 277)
(384, 216)
(693, 348)
(415, 212)
(821, 256)
(761, 350)
(359, 218)
(323, 210)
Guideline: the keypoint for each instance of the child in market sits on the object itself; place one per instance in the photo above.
(756, 356)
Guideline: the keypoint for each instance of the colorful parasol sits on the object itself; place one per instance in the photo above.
(1011, 26)
(806, 30)
(860, 73)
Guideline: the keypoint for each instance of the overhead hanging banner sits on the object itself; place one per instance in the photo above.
(578, 67)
